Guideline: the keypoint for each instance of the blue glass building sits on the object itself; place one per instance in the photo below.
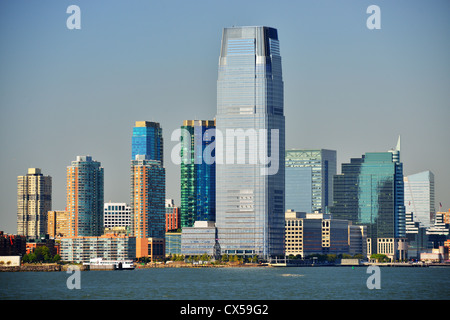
(147, 140)
(198, 175)
(250, 191)
(370, 192)
(309, 179)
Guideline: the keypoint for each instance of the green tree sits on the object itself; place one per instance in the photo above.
(346, 256)
(42, 254)
(379, 257)
(204, 257)
(29, 258)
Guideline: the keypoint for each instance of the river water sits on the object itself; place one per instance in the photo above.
(292, 283)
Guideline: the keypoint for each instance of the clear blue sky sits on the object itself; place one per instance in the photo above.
(66, 92)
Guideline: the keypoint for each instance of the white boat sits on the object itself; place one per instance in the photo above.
(100, 264)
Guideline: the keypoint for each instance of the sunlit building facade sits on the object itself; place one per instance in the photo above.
(85, 194)
(147, 203)
(147, 140)
(34, 200)
(58, 223)
(249, 189)
(420, 198)
(116, 214)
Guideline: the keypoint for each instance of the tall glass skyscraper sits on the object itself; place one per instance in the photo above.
(147, 140)
(85, 199)
(420, 198)
(309, 179)
(198, 175)
(249, 190)
(370, 192)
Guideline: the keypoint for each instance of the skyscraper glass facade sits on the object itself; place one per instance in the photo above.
(198, 175)
(420, 198)
(147, 140)
(370, 192)
(299, 189)
(85, 183)
(249, 204)
(309, 179)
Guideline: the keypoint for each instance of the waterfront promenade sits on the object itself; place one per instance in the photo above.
(51, 267)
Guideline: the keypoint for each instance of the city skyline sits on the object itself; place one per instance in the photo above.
(347, 88)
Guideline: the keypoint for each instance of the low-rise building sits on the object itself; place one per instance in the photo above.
(116, 214)
(10, 261)
(199, 239)
(108, 247)
(12, 244)
(52, 245)
(172, 216)
(357, 240)
(314, 233)
(173, 243)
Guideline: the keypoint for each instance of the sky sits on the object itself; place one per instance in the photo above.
(67, 92)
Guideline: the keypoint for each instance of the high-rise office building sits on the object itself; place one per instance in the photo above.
(419, 197)
(309, 179)
(250, 176)
(147, 140)
(370, 192)
(85, 193)
(34, 200)
(198, 175)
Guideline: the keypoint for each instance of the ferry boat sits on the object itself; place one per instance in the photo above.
(100, 264)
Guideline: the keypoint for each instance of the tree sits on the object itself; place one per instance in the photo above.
(29, 258)
(379, 257)
(331, 257)
(346, 256)
(42, 254)
(204, 257)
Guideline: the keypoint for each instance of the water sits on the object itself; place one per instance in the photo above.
(304, 283)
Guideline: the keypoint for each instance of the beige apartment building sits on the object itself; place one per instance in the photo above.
(58, 224)
(34, 200)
